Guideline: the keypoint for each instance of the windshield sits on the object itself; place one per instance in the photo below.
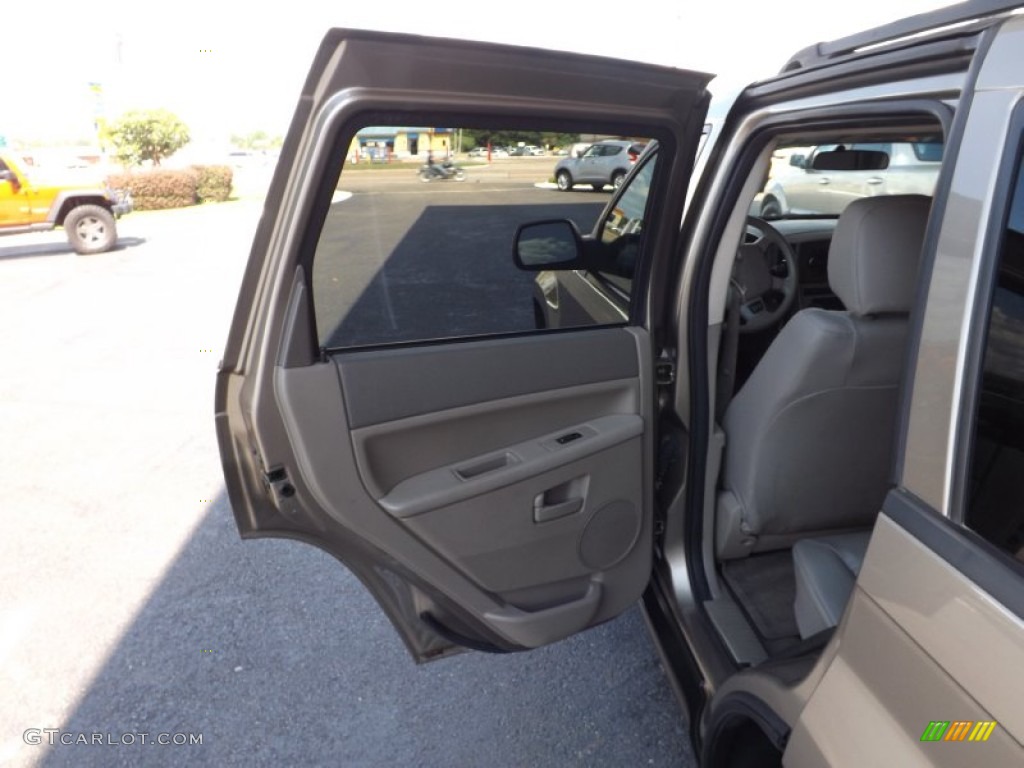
(821, 179)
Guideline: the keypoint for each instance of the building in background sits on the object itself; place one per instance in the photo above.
(386, 143)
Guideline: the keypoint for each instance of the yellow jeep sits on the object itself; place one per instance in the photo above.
(87, 213)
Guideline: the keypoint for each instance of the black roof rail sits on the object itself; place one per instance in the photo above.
(960, 13)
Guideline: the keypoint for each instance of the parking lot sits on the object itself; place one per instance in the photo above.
(128, 604)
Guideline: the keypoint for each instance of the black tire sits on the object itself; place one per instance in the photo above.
(770, 209)
(564, 180)
(90, 229)
(617, 178)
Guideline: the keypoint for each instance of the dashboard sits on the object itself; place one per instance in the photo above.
(810, 239)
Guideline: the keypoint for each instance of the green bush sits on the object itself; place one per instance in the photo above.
(157, 189)
(214, 183)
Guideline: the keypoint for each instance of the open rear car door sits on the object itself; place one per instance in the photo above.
(492, 491)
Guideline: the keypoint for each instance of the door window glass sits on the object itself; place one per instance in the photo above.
(623, 226)
(995, 504)
(417, 243)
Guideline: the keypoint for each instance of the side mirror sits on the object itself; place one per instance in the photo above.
(798, 161)
(553, 244)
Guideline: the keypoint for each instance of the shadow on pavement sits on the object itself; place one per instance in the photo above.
(277, 656)
(55, 249)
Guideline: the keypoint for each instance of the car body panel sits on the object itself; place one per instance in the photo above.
(437, 472)
(962, 244)
(465, 517)
(934, 625)
(897, 668)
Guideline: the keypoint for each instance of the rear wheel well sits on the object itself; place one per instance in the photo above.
(70, 203)
(744, 732)
(742, 744)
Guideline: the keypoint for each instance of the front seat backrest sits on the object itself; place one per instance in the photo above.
(810, 434)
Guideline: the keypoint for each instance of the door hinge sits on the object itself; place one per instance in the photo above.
(664, 373)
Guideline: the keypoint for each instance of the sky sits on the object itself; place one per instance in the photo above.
(230, 67)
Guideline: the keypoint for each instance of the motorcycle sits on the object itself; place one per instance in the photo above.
(444, 171)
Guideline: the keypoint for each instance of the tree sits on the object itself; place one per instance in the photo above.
(256, 140)
(501, 138)
(148, 135)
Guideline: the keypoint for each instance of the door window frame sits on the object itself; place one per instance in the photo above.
(984, 564)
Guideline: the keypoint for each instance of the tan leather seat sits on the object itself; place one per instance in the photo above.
(810, 435)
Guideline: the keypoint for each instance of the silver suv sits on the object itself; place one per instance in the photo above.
(825, 179)
(800, 443)
(606, 162)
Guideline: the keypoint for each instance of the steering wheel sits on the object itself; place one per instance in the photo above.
(765, 277)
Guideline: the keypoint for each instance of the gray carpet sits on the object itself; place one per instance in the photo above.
(764, 585)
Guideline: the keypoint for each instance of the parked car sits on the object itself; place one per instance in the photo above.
(822, 183)
(606, 162)
(798, 442)
(88, 213)
(482, 152)
(528, 150)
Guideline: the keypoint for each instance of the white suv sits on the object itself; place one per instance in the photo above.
(823, 181)
(606, 162)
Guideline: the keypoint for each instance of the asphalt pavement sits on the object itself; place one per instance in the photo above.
(129, 606)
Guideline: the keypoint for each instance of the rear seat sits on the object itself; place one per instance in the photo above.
(826, 569)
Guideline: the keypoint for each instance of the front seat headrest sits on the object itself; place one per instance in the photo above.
(875, 253)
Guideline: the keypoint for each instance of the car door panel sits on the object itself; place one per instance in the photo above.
(385, 385)
(563, 524)
(901, 642)
(393, 451)
(930, 601)
(491, 492)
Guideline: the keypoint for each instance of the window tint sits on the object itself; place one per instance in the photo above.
(623, 226)
(928, 152)
(813, 180)
(995, 505)
(409, 251)
(887, 148)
